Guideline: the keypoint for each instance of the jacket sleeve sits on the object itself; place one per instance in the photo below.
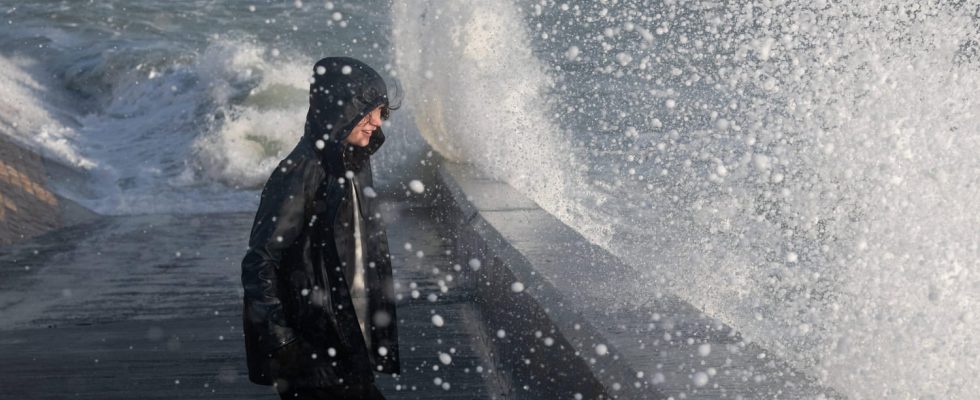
(278, 223)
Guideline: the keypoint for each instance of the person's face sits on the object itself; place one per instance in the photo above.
(361, 134)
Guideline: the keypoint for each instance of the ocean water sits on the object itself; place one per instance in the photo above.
(808, 173)
(181, 106)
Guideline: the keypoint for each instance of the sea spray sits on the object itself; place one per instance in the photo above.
(483, 98)
(805, 172)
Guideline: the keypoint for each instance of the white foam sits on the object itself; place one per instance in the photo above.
(253, 137)
(32, 122)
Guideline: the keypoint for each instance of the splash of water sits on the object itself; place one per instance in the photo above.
(483, 99)
(806, 172)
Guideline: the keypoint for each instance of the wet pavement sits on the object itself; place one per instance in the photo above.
(149, 306)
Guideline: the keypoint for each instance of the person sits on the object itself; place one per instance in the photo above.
(319, 312)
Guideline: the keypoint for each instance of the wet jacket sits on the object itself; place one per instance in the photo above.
(299, 320)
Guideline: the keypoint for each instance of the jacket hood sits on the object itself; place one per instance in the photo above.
(343, 90)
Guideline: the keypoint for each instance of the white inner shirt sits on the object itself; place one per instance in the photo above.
(358, 289)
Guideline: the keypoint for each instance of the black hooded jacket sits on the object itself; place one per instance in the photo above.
(299, 319)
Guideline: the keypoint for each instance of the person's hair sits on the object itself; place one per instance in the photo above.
(395, 95)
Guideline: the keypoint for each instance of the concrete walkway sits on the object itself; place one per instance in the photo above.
(148, 307)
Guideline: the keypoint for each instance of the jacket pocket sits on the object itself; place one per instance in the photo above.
(316, 321)
(267, 324)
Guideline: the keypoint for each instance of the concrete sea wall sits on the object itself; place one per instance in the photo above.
(27, 206)
(572, 323)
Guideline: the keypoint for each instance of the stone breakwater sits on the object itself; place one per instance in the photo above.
(27, 206)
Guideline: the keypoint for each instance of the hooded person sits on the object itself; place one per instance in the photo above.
(319, 308)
